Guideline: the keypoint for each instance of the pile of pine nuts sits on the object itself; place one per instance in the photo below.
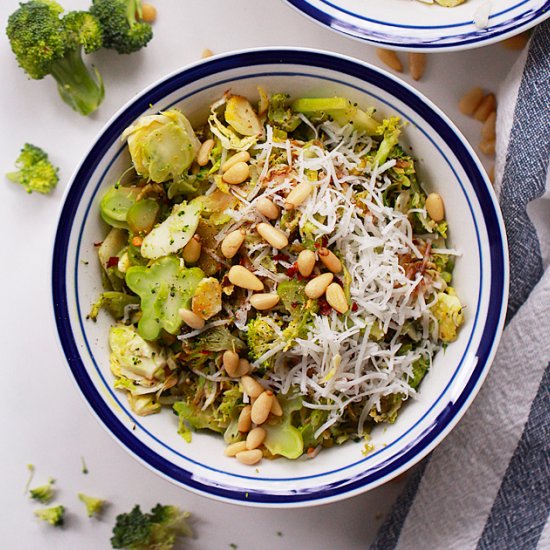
(483, 107)
(417, 62)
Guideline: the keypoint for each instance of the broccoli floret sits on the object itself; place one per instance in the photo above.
(156, 530)
(44, 493)
(54, 515)
(123, 29)
(260, 337)
(281, 115)
(46, 44)
(35, 171)
(94, 506)
(390, 130)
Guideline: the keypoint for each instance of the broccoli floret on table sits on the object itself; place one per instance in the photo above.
(157, 529)
(54, 516)
(34, 172)
(123, 29)
(45, 43)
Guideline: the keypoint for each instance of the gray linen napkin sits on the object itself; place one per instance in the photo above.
(487, 486)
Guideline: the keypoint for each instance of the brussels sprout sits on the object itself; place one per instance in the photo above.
(132, 356)
(162, 146)
(142, 216)
(240, 115)
(283, 438)
(116, 203)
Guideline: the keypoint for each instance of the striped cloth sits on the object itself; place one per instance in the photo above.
(487, 486)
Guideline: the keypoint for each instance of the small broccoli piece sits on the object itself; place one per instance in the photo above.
(54, 516)
(390, 130)
(94, 506)
(30, 468)
(164, 288)
(44, 493)
(156, 530)
(281, 115)
(260, 337)
(46, 44)
(123, 29)
(35, 171)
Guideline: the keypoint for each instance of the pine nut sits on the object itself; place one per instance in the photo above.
(435, 207)
(488, 130)
(276, 408)
(470, 101)
(330, 260)
(517, 42)
(262, 407)
(243, 156)
(244, 368)
(264, 302)
(336, 298)
(232, 242)
(417, 64)
(267, 208)
(250, 457)
(206, 53)
(203, 155)
(486, 107)
(491, 174)
(192, 250)
(298, 195)
(255, 438)
(276, 238)
(230, 362)
(488, 147)
(251, 387)
(191, 319)
(148, 13)
(241, 277)
(234, 448)
(238, 173)
(306, 262)
(389, 57)
(317, 286)
(245, 420)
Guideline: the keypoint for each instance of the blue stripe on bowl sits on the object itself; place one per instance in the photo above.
(361, 28)
(214, 66)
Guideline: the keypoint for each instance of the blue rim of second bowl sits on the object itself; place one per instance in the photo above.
(471, 38)
(156, 94)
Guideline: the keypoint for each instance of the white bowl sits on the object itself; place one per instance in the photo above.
(446, 162)
(413, 25)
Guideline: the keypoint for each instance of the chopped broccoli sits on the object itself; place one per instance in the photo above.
(260, 337)
(94, 506)
(156, 530)
(123, 29)
(84, 467)
(280, 114)
(54, 515)
(44, 493)
(35, 171)
(46, 44)
(30, 467)
(164, 288)
(390, 130)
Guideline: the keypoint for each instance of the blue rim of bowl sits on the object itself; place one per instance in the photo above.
(497, 252)
(362, 27)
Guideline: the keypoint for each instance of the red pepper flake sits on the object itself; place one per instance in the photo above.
(323, 243)
(281, 257)
(294, 305)
(112, 261)
(354, 307)
(98, 244)
(204, 352)
(292, 270)
(324, 307)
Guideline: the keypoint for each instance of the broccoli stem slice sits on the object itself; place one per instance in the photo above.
(77, 85)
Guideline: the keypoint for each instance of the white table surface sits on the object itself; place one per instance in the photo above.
(43, 418)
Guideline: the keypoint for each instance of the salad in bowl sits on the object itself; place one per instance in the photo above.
(278, 275)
